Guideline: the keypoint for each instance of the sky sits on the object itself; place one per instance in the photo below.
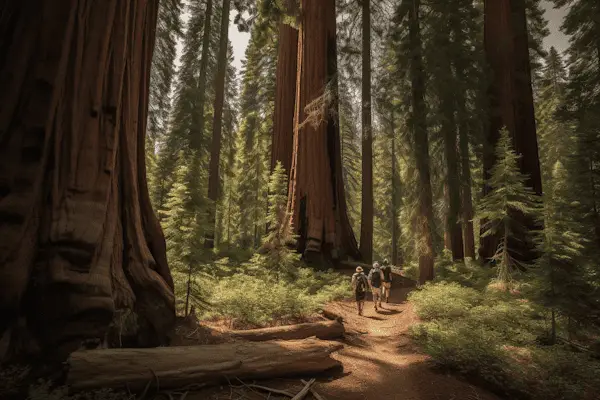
(555, 17)
(239, 40)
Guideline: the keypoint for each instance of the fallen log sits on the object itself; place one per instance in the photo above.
(322, 330)
(332, 315)
(175, 367)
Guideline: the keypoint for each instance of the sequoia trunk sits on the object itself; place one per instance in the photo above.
(285, 96)
(366, 224)
(215, 147)
(80, 242)
(421, 143)
(317, 201)
(511, 102)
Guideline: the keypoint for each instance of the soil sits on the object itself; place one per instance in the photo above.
(380, 362)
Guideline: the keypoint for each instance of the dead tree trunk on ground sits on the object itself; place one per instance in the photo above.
(320, 330)
(176, 367)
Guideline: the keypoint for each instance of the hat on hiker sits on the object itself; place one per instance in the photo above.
(386, 262)
(359, 269)
(376, 265)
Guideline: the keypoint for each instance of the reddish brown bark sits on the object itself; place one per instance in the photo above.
(316, 200)
(214, 179)
(511, 99)
(421, 143)
(285, 96)
(80, 241)
(366, 220)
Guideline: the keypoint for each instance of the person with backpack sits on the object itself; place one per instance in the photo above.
(387, 280)
(359, 284)
(375, 281)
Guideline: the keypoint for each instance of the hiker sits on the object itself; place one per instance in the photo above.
(359, 284)
(375, 281)
(387, 280)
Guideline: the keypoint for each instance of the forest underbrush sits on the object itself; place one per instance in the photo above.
(499, 337)
(247, 296)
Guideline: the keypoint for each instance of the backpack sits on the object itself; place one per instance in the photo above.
(361, 284)
(387, 273)
(376, 278)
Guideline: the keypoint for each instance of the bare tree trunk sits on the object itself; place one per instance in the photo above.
(366, 224)
(316, 199)
(396, 258)
(467, 199)
(285, 96)
(511, 103)
(463, 145)
(421, 143)
(215, 147)
(453, 230)
(197, 137)
(80, 240)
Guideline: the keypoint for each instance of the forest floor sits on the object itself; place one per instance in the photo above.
(380, 362)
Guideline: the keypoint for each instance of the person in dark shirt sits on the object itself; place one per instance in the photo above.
(387, 280)
(360, 285)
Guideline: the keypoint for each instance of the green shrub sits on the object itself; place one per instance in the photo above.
(255, 301)
(444, 300)
(491, 336)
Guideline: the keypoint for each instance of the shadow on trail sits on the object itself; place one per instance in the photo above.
(387, 311)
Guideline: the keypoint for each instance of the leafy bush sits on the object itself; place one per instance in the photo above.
(256, 301)
(444, 300)
(491, 336)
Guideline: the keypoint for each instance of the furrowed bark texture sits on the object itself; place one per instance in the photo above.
(366, 223)
(285, 97)
(177, 367)
(424, 221)
(321, 330)
(511, 102)
(316, 200)
(80, 241)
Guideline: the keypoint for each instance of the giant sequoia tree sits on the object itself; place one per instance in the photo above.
(285, 95)
(511, 100)
(80, 241)
(317, 200)
(366, 223)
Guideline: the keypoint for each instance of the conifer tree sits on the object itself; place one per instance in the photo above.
(276, 258)
(425, 222)
(183, 224)
(582, 101)
(565, 289)
(502, 207)
(184, 112)
(168, 31)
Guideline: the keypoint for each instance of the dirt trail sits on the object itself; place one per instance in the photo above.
(381, 363)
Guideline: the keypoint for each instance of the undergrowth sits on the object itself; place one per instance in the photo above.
(257, 301)
(493, 336)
